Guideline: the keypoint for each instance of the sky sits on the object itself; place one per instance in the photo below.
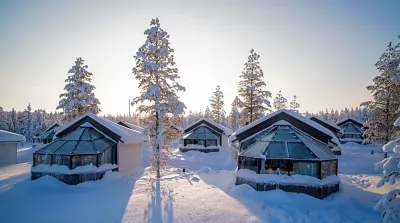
(321, 51)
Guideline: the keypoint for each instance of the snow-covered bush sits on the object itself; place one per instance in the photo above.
(391, 173)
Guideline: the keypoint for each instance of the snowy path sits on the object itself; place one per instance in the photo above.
(184, 200)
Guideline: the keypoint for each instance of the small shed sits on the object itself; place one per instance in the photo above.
(205, 135)
(352, 130)
(8, 147)
(89, 146)
(289, 145)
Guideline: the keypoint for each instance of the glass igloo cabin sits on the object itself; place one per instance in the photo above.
(86, 148)
(287, 151)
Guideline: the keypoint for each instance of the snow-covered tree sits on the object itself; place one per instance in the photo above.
(384, 109)
(4, 120)
(279, 101)
(253, 97)
(158, 99)
(38, 122)
(79, 97)
(217, 105)
(207, 113)
(389, 204)
(24, 123)
(234, 116)
(294, 105)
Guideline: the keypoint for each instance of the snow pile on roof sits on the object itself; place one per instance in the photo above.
(132, 126)
(127, 135)
(226, 130)
(52, 127)
(342, 121)
(285, 179)
(328, 123)
(44, 168)
(10, 137)
(294, 115)
(200, 147)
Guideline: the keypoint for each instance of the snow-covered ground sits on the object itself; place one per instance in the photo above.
(205, 193)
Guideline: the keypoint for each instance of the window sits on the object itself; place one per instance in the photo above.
(285, 166)
(211, 142)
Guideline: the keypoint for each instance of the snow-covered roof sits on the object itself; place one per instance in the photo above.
(10, 137)
(52, 127)
(132, 126)
(397, 122)
(293, 114)
(328, 123)
(226, 130)
(343, 121)
(127, 135)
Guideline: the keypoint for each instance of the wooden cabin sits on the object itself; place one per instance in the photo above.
(88, 147)
(292, 146)
(352, 130)
(205, 135)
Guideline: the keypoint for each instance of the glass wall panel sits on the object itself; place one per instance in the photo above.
(305, 168)
(328, 168)
(83, 160)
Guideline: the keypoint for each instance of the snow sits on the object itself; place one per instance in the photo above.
(129, 136)
(344, 121)
(192, 146)
(10, 137)
(132, 126)
(294, 115)
(285, 179)
(226, 130)
(329, 123)
(205, 193)
(44, 168)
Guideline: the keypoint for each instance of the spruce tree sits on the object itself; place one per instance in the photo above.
(390, 166)
(79, 98)
(294, 105)
(217, 105)
(234, 115)
(207, 113)
(279, 102)
(157, 79)
(253, 97)
(384, 109)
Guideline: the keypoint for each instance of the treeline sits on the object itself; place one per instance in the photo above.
(27, 122)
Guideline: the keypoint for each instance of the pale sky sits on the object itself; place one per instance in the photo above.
(323, 52)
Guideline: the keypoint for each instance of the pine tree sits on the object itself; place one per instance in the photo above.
(217, 105)
(294, 105)
(234, 115)
(386, 93)
(207, 113)
(79, 98)
(279, 101)
(157, 78)
(254, 100)
(388, 204)
(38, 122)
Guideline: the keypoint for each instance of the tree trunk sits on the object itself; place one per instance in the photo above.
(157, 147)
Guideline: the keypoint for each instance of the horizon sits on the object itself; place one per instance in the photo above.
(322, 53)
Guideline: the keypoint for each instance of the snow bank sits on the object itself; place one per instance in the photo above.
(127, 135)
(285, 179)
(44, 168)
(226, 130)
(294, 115)
(200, 147)
(10, 137)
